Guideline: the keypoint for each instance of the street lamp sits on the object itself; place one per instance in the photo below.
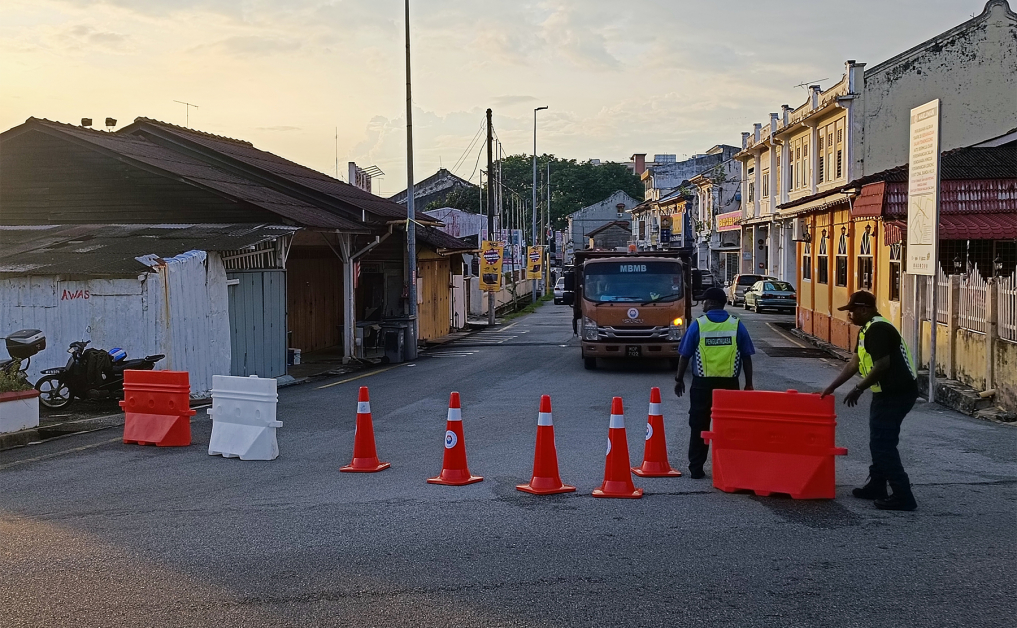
(533, 286)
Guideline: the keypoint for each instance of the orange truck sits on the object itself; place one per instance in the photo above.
(630, 305)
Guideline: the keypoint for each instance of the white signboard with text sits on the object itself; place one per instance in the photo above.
(923, 190)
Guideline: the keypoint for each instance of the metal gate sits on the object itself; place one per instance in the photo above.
(257, 310)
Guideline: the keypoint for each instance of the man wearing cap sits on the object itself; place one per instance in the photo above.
(721, 347)
(885, 364)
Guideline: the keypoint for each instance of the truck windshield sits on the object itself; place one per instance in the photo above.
(630, 281)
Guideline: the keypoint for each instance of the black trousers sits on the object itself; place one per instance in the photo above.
(886, 413)
(700, 405)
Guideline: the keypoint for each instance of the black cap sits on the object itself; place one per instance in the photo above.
(715, 294)
(859, 298)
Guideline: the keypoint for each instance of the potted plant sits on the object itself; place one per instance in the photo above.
(19, 403)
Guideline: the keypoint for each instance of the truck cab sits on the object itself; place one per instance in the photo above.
(629, 305)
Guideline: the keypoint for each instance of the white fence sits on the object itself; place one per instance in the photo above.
(972, 302)
(1006, 302)
(942, 299)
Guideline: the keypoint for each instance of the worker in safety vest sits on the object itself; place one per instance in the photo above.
(721, 347)
(884, 362)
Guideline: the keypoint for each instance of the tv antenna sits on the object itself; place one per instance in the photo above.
(807, 83)
(187, 107)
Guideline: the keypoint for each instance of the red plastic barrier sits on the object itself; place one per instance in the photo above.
(157, 406)
(774, 442)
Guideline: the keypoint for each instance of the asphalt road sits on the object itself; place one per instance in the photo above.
(97, 533)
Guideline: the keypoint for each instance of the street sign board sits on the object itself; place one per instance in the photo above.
(491, 256)
(923, 190)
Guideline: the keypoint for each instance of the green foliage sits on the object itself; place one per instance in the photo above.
(466, 199)
(13, 382)
(574, 184)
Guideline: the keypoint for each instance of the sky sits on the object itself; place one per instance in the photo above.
(318, 81)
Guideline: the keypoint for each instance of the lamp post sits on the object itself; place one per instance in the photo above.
(533, 286)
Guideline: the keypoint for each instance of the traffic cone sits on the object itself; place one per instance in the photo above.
(655, 464)
(617, 476)
(454, 471)
(545, 480)
(365, 457)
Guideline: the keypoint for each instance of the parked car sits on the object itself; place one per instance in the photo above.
(771, 294)
(736, 287)
(559, 291)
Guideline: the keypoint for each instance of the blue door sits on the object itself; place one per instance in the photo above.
(257, 310)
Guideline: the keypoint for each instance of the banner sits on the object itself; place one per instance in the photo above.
(923, 190)
(490, 265)
(728, 221)
(534, 262)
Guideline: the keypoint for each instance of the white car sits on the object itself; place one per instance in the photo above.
(559, 290)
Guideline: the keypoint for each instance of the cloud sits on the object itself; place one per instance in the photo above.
(280, 128)
(247, 45)
(505, 101)
(84, 38)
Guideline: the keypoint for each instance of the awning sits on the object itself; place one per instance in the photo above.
(870, 202)
(994, 226)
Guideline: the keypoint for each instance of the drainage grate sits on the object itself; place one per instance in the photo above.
(795, 352)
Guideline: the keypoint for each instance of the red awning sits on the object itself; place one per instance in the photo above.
(995, 226)
(870, 202)
(894, 231)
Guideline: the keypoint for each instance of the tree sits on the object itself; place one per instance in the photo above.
(574, 184)
(464, 198)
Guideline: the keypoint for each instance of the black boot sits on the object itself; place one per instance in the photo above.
(873, 489)
(902, 499)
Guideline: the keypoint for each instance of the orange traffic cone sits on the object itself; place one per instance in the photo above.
(454, 471)
(617, 476)
(365, 457)
(546, 480)
(655, 464)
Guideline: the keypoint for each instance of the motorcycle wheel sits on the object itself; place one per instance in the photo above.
(54, 393)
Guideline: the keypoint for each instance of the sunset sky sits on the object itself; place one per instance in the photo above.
(619, 77)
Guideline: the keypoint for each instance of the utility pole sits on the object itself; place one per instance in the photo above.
(547, 230)
(411, 226)
(490, 211)
(533, 283)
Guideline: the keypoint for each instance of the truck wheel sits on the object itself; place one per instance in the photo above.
(590, 364)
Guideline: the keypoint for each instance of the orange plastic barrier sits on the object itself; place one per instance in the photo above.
(774, 442)
(157, 406)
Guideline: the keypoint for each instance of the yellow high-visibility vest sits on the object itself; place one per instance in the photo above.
(865, 360)
(717, 352)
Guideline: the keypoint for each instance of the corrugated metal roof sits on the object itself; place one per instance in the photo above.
(246, 153)
(441, 240)
(205, 175)
(110, 250)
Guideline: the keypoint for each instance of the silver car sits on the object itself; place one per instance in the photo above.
(559, 290)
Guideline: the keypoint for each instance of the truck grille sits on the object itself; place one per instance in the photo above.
(632, 333)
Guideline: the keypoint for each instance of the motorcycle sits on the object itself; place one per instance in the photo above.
(89, 374)
(21, 345)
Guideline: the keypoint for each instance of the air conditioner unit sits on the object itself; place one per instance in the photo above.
(800, 230)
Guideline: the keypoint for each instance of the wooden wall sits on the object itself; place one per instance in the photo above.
(314, 301)
(434, 311)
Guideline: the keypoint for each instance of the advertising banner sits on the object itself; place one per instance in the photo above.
(534, 262)
(728, 221)
(923, 190)
(490, 265)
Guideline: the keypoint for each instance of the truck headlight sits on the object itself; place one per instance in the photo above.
(676, 329)
(589, 329)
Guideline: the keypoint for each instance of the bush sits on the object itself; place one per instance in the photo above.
(13, 382)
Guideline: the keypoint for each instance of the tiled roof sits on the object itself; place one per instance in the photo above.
(110, 250)
(441, 240)
(624, 224)
(202, 174)
(246, 153)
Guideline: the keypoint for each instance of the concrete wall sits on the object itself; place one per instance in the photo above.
(972, 68)
(970, 361)
(597, 215)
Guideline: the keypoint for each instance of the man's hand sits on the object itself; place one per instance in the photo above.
(679, 387)
(851, 399)
(827, 391)
(749, 387)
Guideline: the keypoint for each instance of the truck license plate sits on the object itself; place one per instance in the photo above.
(633, 351)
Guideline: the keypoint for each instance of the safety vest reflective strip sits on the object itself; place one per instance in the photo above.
(718, 346)
(865, 359)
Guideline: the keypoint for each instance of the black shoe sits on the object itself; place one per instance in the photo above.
(871, 490)
(897, 502)
(696, 474)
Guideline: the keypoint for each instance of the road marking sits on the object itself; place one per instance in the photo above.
(784, 334)
(118, 439)
(343, 381)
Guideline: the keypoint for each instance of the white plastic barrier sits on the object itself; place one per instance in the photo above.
(243, 418)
